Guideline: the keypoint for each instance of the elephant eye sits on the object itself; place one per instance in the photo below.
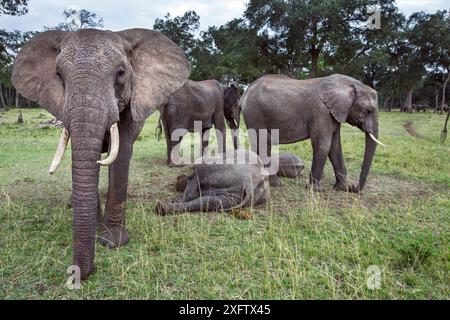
(120, 75)
(59, 74)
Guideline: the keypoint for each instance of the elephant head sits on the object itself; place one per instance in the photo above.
(231, 108)
(351, 101)
(86, 79)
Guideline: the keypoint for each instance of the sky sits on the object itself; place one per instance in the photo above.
(123, 14)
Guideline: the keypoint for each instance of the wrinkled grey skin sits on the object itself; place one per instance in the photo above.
(206, 101)
(290, 166)
(314, 109)
(221, 187)
(91, 79)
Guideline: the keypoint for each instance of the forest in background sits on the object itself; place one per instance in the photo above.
(406, 59)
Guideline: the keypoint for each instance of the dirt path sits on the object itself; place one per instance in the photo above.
(410, 129)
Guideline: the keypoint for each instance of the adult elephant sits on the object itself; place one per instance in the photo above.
(313, 109)
(102, 85)
(206, 102)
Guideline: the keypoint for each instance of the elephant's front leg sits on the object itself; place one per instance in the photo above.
(337, 160)
(112, 232)
(321, 148)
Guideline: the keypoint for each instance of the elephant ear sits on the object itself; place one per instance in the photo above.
(34, 74)
(337, 93)
(160, 68)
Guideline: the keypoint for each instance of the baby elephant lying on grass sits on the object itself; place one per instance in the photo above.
(227, 182)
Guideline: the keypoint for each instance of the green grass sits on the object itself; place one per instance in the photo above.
(300, 246)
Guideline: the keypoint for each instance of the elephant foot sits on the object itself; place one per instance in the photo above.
(85, 271)
(346, 187)
(275, 181)
(161, 209)
(315, 187)
(112, 237)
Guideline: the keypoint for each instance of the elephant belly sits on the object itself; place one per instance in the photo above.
(289, 130)
(205, 124)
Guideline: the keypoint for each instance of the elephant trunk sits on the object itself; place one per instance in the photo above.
(370, 149)
(86, 118)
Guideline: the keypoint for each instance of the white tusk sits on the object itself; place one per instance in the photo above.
(63, 140)
(114, 147)
(235, 123)
(375, 139)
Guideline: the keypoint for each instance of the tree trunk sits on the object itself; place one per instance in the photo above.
(444, 89)
(391, 104)
(8, 97)
(314, 49)
(314, 63)
(2, 99)
(408, 101)
(17, 99)
(436, 106)
(386, 103)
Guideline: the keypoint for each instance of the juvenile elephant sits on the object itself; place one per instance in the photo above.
(206, 102)
(102, 85)
(313, 109)
(290, 165)
(213, 185)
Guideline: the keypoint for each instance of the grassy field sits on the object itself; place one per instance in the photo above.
(300, 246)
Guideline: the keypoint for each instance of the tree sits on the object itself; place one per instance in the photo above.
(180, 30)
(78, 19)
(308, 31)
(10, 43)
(13, 7)
(429, 33)
(243, 54)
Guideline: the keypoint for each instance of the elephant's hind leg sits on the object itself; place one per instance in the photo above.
(204, 139)
(202, 204)
(321, 148)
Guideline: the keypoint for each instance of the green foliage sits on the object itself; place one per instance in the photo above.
(13, 7)
(180, 30)
(305, 31)
(87, 19)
